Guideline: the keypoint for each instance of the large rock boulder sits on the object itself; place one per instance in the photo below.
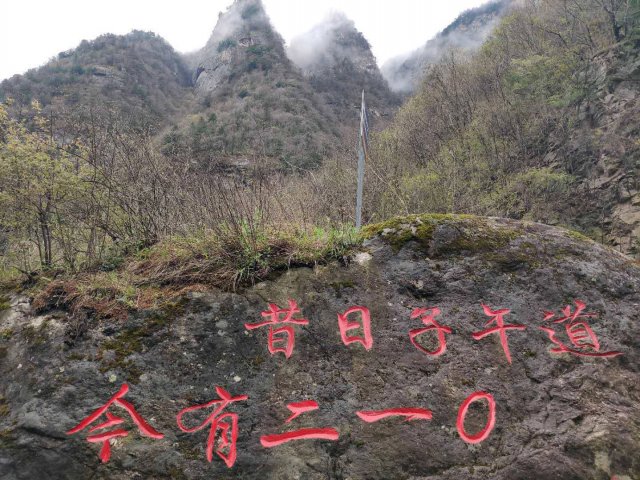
(557, 415)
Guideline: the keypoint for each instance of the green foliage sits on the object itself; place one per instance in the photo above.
(544, 78)
(77, 69)
(479, 134)
(534, 193)
(260, 57)
(139, 73)
(258, 50)
(226, 44)
(38, 182)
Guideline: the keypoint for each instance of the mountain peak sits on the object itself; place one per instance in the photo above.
(335, 38)
(338, 60)
(241, 14)
(136, 72)
(243, 30)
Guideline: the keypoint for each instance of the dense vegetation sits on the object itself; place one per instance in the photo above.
(515, 129)
(138, 73)
(467, 18)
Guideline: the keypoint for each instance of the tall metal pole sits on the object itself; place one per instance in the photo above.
(362, 154)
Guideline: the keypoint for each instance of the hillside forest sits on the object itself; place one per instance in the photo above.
(127, 162)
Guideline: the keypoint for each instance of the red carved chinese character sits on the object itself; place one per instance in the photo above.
(427, 315)
(297, 409)
(462, 413)
(410, 414)
(345, 325)
(500, 327)
(111, 420)
(284, 335)
(579, 332)
(225, 443)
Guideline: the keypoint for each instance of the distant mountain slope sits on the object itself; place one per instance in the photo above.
(467, 31)
(253, 101)
(540, 123)
(338, 61)
(137, 71)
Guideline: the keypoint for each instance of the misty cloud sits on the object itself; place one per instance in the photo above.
(334, 38)
(468, 32)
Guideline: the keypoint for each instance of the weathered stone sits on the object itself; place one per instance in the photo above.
(558, 416)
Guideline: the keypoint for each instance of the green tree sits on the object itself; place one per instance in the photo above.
(37, 180)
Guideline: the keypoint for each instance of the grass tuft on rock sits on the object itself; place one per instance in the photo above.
(152, 277)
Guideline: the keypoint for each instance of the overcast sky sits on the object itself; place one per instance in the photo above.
(33, 31)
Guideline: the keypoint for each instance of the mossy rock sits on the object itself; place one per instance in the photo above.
(444, 234)
(8, 438)
(578, 236)
(5, 303)
(35, 335)
(135, 339)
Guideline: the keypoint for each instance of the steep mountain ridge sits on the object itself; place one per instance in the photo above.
(243, 33)
(253, 102)
(339, 63)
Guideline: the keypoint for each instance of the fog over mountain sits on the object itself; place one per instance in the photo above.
(467, 32)
(338, 61)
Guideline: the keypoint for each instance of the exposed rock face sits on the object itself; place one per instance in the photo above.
(558, 416)
(467, 32)
(239, 33)
(262, 104)
(338, 60)
(604, 151)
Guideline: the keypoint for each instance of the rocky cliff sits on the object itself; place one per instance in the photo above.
(557, 415)
(338, 61)
(242, 34)
(262, 105)
(603, 151)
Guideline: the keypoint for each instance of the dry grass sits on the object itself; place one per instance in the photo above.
(178, 265)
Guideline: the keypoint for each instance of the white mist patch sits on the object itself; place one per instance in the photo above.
(335, 38)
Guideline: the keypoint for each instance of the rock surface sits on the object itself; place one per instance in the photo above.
(605, 153)
(558, 416)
